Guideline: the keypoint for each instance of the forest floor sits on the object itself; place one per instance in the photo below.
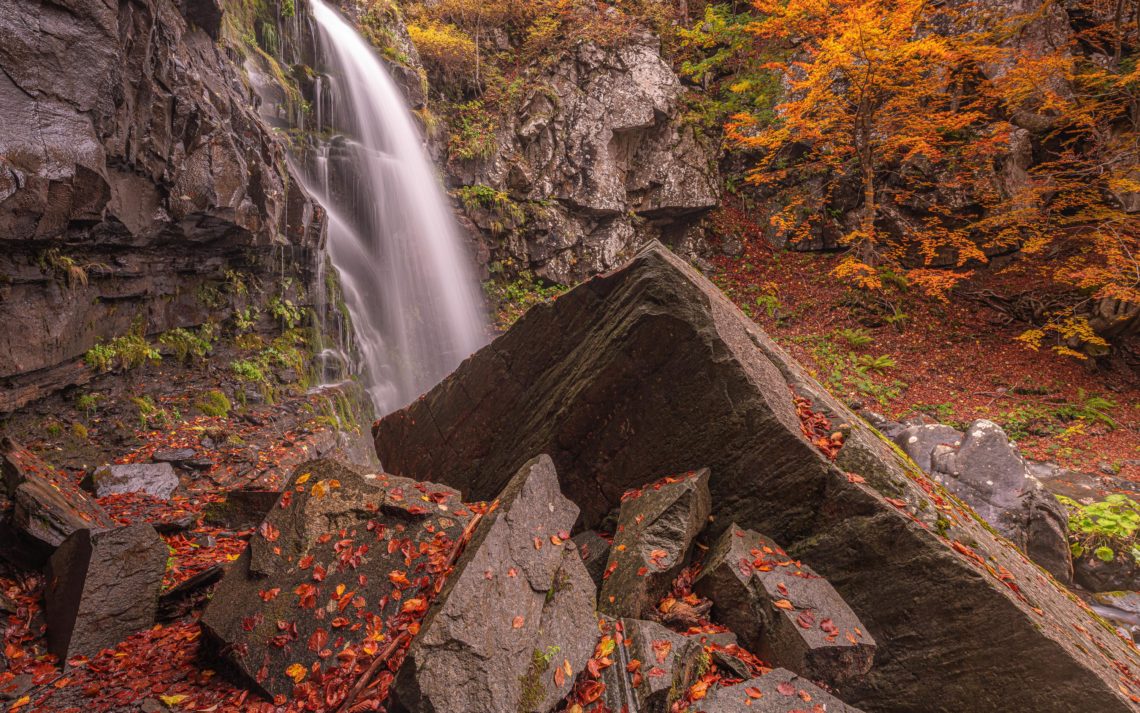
(905, 355)
(125, 418)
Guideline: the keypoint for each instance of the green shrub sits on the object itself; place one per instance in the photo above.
(247, 370)
(855, 338)
(185, 344)
(284, 310)
(1107, 528)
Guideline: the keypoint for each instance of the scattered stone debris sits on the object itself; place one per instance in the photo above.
(102, 587)
(779, 691)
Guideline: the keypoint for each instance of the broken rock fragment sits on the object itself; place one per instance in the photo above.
(656, 529)
(783, 610)
(664, 664)
(595, 553)
(338, 556)
(779, 691)
(242, 509)
(515, 622)
(44, 507)
(102, 587)
(155, 479)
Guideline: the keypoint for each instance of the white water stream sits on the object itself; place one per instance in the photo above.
(407, 279)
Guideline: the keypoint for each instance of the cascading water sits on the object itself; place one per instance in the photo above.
(407, 282)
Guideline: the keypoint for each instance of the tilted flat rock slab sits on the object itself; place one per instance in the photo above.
(47, 507)
(155, 479)
(656, 528)
(779, 691)
(515, 622)
(650, 370)
(328, 568)
(782, 610)
(102, 587)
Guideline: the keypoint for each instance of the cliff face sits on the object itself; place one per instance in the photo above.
(133, 175)
(596, 161)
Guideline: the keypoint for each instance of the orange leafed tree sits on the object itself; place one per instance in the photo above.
(871, 88)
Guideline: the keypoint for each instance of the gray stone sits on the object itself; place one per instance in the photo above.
(42, 507)
(782, 610)
(242, 509)
(650, 370)
(102, 587)
(987, 471)
(515, 622)
(333, 532)
(155, 479)
(779, 691)
(919, 441)
(174, 456)
(655, 532)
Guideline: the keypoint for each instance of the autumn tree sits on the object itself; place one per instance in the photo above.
(870, 88)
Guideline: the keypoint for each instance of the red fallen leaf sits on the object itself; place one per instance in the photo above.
(594, 667)
(805, 619)
(698, 690)
(512, 572)
(661, 649)
(305, 562)
(609, 570)
(318, 640)
(537, 544)
(753, 692)
(555, 540)
(896, 502)
(642, 571)
(783, 604)
(307, 594)
(829, 626)
(269, 532)
(559, 677)
(339, 622)
(269, 595)
(855, 478)
(783, 588)
(592, 691)
(633, 665)
(563, 534)
(786, 689)
(399, 578)
(417, 510)
(415, 604)
(804, 696)
(656, 671)
(319, 573)
(518, 622)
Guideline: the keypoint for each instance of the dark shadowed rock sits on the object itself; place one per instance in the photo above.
(155, 479)
(43, 508)
(102, 587)
(655, 532)
(174, 456)
(188, 595)
(595, 553)
(650, 370)
(242, 509)
(779, 691)
(279, 604)
(782, 610)
(516, 613)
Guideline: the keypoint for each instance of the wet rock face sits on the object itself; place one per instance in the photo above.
(132, 170)
(650, 370)
(103, 587)
(600, 141)
(332, 562)
(515, 622)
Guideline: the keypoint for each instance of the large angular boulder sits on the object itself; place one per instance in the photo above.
(157, 480)
(779, 691)
(650, 370)
(333, 561)
(102, 587)
(782, 610)
(656, 528)
(43, 506)
(653, 667)
(515, 622)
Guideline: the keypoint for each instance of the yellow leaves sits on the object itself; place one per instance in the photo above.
(297, 672)
(303, 478)
(857, 273)
(323, 487)
(171, 701)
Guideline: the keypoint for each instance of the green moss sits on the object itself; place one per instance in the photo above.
(214, 403)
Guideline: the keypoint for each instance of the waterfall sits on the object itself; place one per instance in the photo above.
(408, 285)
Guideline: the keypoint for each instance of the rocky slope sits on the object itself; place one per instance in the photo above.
(134, 175)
